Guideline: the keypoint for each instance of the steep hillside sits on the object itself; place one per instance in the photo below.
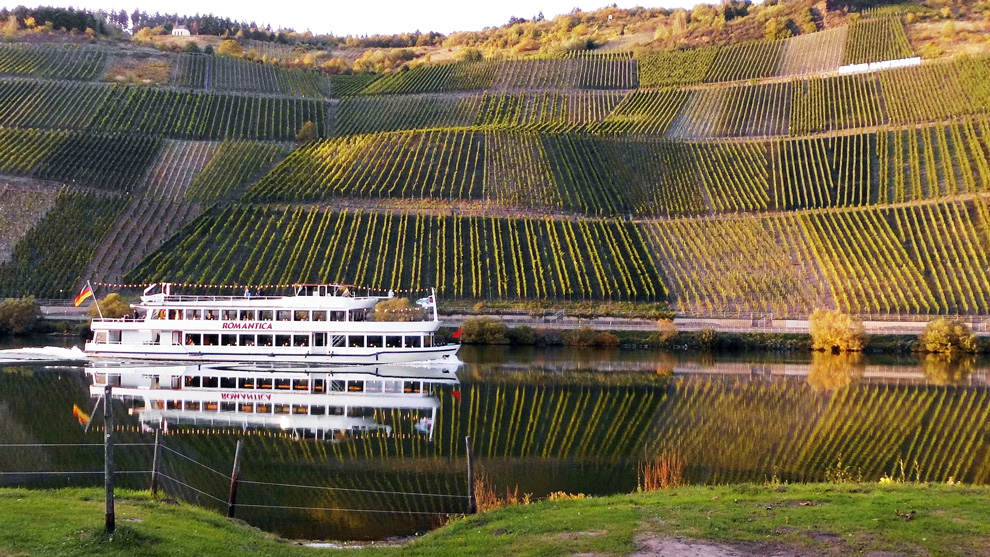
(829, 169)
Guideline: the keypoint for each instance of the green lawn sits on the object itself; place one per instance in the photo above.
(835, 518)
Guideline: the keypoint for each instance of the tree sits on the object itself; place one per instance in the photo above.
(947, 336)
(112, 306)
(231, 48)
(834, 331)
(484, 330)
(306, 133)
(19, 316)
(469, 54)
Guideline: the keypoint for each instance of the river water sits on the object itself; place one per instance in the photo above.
(377, 452)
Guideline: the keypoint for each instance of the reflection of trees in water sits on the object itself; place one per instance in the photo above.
(948, 368)
(829, 372)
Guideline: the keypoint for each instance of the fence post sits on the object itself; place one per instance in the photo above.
(154, 464)
(232, 499)
(472, 503)
(108, 458)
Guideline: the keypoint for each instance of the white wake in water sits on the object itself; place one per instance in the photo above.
(42, 354)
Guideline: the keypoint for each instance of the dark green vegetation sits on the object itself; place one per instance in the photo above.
(744, 177)
(816, 517)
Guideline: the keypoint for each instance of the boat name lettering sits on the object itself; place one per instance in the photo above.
(247, 326)
(244, 396)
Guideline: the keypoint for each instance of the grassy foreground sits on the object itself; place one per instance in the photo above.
(749, 519)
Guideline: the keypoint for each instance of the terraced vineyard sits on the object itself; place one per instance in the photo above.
(67, 61)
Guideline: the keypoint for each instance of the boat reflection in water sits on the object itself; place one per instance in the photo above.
(322, 403)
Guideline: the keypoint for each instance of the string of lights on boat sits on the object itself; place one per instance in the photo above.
(243, 286)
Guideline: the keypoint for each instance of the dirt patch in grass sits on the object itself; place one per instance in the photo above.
(685, 547)
(576, 535)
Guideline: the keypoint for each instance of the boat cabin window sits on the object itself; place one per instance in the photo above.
(299, 409)
(191, 381)
(355, 341)
(302, 316)
(428, 341)
(247, 408)
(317, 410)
(245, 383)
(211, 314)
(281, 408)
(246, 340)
(336, 386)
(228, 314)
(322, 290)
(190, 405)
(337, 315)
(210, 406)
(355, 386)
(228, 382)
(335, 410)
(265, 315)
(211, 340)
(175, 314)
(247, 315)
(173, 405)
(337, 340)
(300, 384)
(193, 314)
(158, 314)
(228, 340)
(393, 342)
(358, 314)
(265, 383)
(101, 337)
(263, 408)
(374, 341)
(319, 339)
(282, 384)
(319, 386)
(300, 340)
(413, 342)
(393, 386)
(283, 340)
(372, 386)
(265, 340)
(320, 315)
(211, 382)
(411, 387)
(228, 406)
(283, 315)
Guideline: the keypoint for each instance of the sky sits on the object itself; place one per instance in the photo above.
(364, 17)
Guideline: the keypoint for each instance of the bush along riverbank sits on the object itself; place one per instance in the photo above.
(797, 519)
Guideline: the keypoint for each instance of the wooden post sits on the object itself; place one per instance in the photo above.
(154, 464)
(108, 458)
(232, 499)
(472, 503)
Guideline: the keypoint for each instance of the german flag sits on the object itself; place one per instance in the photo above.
(86, 292)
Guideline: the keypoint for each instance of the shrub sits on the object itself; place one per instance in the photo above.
(707, 338)
(834, 331)
(523, 335)
(112, 306)
(306, 133)
(666, 331)
(231, 48)
(947, 336)
(586, 336)
(19, 316)
(484, 330)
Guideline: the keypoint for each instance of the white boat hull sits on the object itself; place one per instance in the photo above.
(341, 356)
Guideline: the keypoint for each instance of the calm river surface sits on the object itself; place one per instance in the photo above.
(377, 452)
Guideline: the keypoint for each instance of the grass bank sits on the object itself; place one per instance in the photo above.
(801, 519)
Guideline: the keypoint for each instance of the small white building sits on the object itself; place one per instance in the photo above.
(180, 31)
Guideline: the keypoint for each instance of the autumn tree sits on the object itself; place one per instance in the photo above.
(834, 331)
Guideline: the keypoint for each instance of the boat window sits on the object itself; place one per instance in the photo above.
(317, 410)
(413, 342)
(210, 406)
(283, 315)
(355, 341)
(358, 314)
(265, 315)
(265, 340)
(374, 341)
(245, 383)
(337, 316)
(157, 405)
(228, 340)
(300, 384)
(393, 342)
(428, 341)
(247, 315)
(393, 386)
(228, 383)
(372, 386)
(319, 339)
(265, 383)
(191, 381)
(193, 339)
(320, 315)
(247, 340)
(283, 340)
(411, 387)
(191, 405)
(211, 315)
(211, 382)
(281, 408)
(355, 386)
(301, 316)
(228, 314)
(299, 408)
(282, 384)
(211, 340)
(263, 408)
(336, 386)
(228, 406)
(247, 408)
(193, 314)
(300, 340)
(337, 340)
(101, 337)
(322, 290)
(160, 314)
(319, 386)
(335, 410)
(174, 405)
(175, 314)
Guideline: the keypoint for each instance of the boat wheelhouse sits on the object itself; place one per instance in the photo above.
(318, 324)
(309, 403)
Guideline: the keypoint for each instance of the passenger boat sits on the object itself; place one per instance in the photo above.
(308, 403)
(317, 324)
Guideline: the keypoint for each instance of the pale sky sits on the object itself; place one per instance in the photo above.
(367, 17)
